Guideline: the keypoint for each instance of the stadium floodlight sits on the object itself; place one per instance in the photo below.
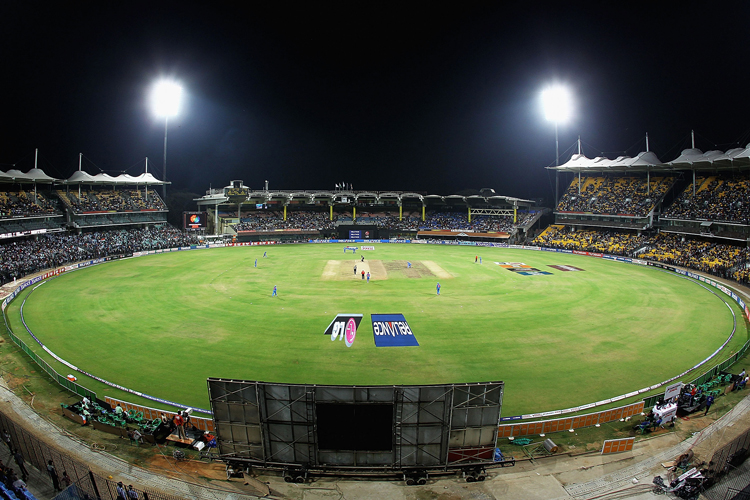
(165, 98)
(165, 103)
(557, 105)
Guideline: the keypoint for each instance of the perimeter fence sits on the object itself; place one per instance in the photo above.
(86, 483)
(651, 400)
(730, 466)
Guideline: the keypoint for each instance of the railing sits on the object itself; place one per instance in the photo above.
(37, 453)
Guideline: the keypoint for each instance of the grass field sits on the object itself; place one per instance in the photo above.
(162, 324)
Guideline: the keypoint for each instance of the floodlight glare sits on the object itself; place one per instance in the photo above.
(557, 104)
(165, 98)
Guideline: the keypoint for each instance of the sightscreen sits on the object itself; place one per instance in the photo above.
(367, 427)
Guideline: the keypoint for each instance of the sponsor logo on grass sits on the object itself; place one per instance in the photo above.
(344, 327)
(521, 268)
(566, 268)
(391, 330)
(367, 247)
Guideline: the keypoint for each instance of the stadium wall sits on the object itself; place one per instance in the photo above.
(565, 424)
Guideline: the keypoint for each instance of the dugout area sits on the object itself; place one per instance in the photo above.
(360, 429)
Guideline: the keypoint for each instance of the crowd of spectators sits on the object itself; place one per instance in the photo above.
(717, 198)
(22, 204)
(19, 258)
(742, 275)
(273, 220)
(122, 200)
(615, 195)
(726, 261)
(303, 220)
(714, 258)
(13, 484)
(410, 221)
(601, 241)
(460, 221)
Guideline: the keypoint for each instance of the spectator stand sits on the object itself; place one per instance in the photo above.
(712, 205)
(103, 200)
(591, 240)
(25, 212)
(706, 255)
(28, 256)
(237, 209)
(701, 199)
(624, 193)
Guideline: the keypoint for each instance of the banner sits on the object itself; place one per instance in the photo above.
(672, 391)
(391, 330)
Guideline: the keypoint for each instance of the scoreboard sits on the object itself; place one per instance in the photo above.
(194, 221)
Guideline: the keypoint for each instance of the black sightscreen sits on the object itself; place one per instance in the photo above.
(355, 427)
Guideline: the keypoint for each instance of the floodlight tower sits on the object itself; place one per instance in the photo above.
(165, 103)
(557, 104)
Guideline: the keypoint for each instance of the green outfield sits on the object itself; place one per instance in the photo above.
(162, 324)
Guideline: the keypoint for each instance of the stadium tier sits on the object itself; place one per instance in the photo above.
(692, 211)
(610, 195)
(292, 215)
(27, 256)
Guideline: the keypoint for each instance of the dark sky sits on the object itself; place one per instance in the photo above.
(433, 96)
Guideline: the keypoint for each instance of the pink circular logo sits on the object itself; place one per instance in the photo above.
(351, 332)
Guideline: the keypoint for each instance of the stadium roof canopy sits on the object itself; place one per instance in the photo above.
(38, 176)
(689, 159)
(217, 196)
(35, 175)
(81, 177)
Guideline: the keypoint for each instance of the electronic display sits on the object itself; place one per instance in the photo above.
(194, 221)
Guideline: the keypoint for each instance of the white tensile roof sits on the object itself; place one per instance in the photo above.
(646, 160)
(37, 175)
(81, 177)
(32, 176)
(641, 160)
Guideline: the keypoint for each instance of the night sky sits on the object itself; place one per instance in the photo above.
(432, 97)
